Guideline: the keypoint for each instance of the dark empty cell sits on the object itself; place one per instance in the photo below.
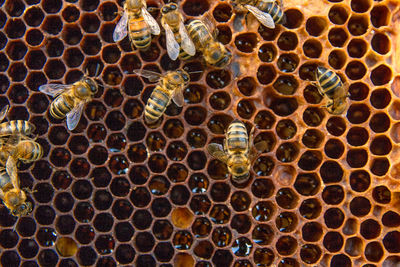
(43, 192)
(357, 136)
(177, 172)
(71, 34)
(82, 189)
(115, 120)
(358, 113)
(73, 57)
(380, 16)
(222, 12)
(33, 37)
(315, 26)
(173, 128)
(310, 160)
(331, 172)
(357, 158)
(286, 129)
(312, 48)
(145, 261)
(108, 11)
(161, 207)
(312, 231)
(10, 258)
(357, 48)
(136, 131)
(360, 180)
(333, 194)
(89, 5)
(336, 126)
(14, 8)
(381, 75)
(218, 79)
(225, 35)
(142, 219)
(283, 106)
(70, 13)
(360, 6)
(312, 138)
(358, 25)
(313, 116)
(17, 72)
(370, 229)
(15, 50)
(391, 242)
(267, 52)
(380, 98)
(124, 231)
(105, 244)
(54, 69)
(19, 93)
(360, 206)
(381, 194)
(246, 42)
(90, 23)
(380, 166)
(312, 95)
(333, 241)
(355, 70)
(44, 215)
(195, 7)
(287, 152)
(52, 24)
(245, 109)
(179, 195)
(286, 245)
(358, 91)
(8, 238)
(96, 132)
(381, 145)
(35, 59)
(151, 54)
(137, 153)
(86, 256)
(33, 16)
(102, 199)
(338, 14)
(51, 6)
(195, 115)
(307, 71)
(337, 37)
(140, 197)
(294, 18)
(337, 59)
(61, 180)
(91, 45)
(78, 144)
(15, 28)
(266, 74)
(307, 184)
(379, 123)
(374, 251)
(26, 226)
(48, 257)
(287, 41)
(46, 236)
(310, 208)
(286, 84)
(111, 54)
(122, 209)
(3, 18)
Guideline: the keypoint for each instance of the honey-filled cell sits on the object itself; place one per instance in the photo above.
(120, 191)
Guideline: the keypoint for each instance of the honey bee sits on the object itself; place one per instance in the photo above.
(176, 33)
(141, 24)
(238, 151)
(214, 53)
(70, 99)
(13, 127)
(267, 12)
(170, 86)
(330, 85)
(17, 147)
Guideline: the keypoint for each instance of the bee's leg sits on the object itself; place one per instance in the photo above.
(330, 103)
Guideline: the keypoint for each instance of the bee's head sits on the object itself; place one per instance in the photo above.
(89, 88)
(339, 107)
(217, 55)
(180, 77)
(134, 3)
(23, 209)
(239, 166)
(169, 8)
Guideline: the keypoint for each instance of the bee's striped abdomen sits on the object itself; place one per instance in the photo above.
(157, 103)
(273, 9)
(17, 126)
(60, 107)
(139, 33)
(329, 82)
(199, 33)
(237, 137)
(29, 151)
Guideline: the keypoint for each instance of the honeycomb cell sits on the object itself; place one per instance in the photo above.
(337, 59)
(310, 208)
(338, 14)
(358, 25)
(380, 98)
(390, 242)
(374, 251)
(71, 34)
(286, 222)
(70, 13)
(337, 37)
(287, 41)
(315, 26)
(286, 245)
(15, 28)
(145, 260)
(380, 16)
(381, 75)
(357, 136)
(9, 238)
(307, 184)
(246, 42)
(222, 12)
(90, 23)
(54, 69)
(360, 6)
(17, 72)
(267, 52)
(379, 122)
(66, 247)
(221, 236)
(312, 48)
(46, 236)
(312, 231)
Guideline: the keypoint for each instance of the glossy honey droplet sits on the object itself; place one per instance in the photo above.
(182, 217)
(66, 246)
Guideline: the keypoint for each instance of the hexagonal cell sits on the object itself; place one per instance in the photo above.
(52, 24)
(338, 14)
(380, 16)
(70, 13)
(360, 6)
(358, 24)
(17, 72)
(35, 59)
(71, 34)
(15, 28)
(312, 48)
(337, 58)
(90, 23)
(267, 52)
(91, 45)
(246, 42)
(337, 37)
(315, 26)
(16, 50)
(287, 41)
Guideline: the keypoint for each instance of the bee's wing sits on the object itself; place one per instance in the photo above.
(150, 75)
(121, 30)
(53, 89)
(74, 115)
(11, 169)
(178, 98)
(263, 17)
(187, 43)
(172, 44)
(3, 112)
(217, 151)
(154, 28)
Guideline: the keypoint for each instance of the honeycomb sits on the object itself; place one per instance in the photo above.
(116, 191)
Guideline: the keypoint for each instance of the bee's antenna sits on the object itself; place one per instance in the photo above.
(97, 70)
(196, 71)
